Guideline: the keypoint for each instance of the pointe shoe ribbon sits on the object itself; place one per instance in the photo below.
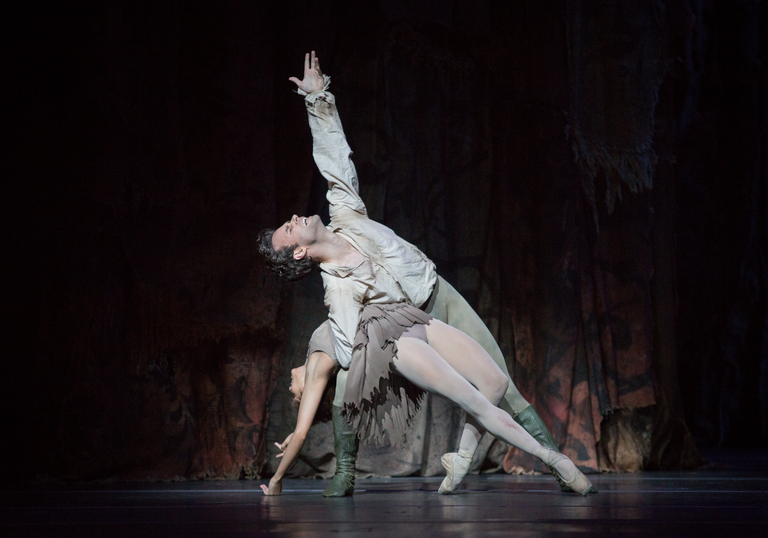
(456, 465)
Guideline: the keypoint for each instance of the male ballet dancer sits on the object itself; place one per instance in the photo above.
(351, 238)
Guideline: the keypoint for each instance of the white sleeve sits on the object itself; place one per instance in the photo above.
(333, 155)
(344, 315)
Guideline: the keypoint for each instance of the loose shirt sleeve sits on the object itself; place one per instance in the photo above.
(333, 155)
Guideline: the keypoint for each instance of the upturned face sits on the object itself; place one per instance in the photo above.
(297, 381)
(301, 231)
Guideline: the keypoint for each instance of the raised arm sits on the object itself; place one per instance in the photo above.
(320, 367)
(330, 149)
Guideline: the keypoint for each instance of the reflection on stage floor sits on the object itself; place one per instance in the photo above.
(728, 499)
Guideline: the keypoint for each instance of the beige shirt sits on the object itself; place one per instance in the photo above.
(395, 270)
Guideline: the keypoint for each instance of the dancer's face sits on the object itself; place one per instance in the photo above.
(301, 231)
(297, 381)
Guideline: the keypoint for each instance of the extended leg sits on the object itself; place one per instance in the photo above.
(423, 366)
(449, 306)
(481, 372)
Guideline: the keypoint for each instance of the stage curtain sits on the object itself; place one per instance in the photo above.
(159, 139)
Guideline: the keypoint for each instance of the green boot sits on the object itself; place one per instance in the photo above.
(345, 444)
(531, 422)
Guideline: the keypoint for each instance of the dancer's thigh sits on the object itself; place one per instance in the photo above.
(449, 306)
(453, 309)
(422, 366)
(468, 359)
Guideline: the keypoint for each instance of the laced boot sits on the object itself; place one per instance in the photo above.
(531, 422)
(456, 466)
(345, 444)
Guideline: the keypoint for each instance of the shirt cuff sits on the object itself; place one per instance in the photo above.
(312, 97)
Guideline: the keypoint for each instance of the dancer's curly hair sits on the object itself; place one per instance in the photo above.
(281, 261)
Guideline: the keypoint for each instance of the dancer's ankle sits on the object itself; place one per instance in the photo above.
(545, 454)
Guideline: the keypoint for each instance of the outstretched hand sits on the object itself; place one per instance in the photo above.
(313, 77)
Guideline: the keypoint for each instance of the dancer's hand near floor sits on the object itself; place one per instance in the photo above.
(308, 384)
(275, 487)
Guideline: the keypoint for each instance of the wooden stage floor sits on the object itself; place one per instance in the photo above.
(730, 499)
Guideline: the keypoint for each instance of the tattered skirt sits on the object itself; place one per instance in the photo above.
(378, 402)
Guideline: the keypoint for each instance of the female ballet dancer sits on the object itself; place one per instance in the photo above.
(399, 352)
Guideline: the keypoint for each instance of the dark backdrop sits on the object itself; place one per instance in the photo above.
(591, 175)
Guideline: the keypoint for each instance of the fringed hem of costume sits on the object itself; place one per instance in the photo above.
(378, 402)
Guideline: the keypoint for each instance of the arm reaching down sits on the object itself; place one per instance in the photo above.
(320, 368)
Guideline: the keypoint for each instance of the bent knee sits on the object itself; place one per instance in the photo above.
(499, 386)
(494, 386)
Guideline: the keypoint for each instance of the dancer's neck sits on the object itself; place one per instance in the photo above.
(334, 249)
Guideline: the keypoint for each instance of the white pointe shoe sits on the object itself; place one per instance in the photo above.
(456, 465)
(570, 474)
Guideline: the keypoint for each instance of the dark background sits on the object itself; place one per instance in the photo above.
(591, 175)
